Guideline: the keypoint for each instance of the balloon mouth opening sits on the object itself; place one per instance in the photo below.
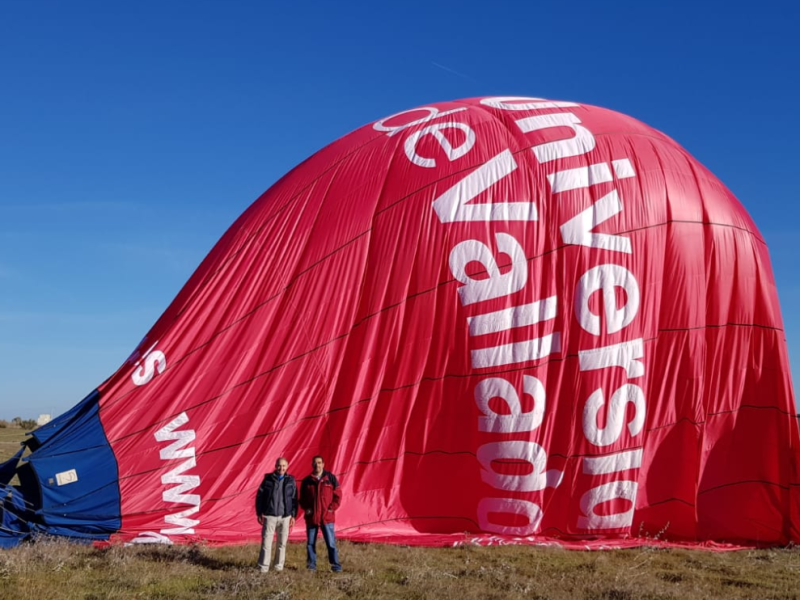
(21, 496)
(62, 481)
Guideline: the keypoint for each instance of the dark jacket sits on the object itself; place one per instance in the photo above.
(320, 499)
(265, 502)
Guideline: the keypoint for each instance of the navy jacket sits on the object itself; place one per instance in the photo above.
(265, 503)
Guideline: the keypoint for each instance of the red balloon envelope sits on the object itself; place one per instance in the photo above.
(498, 319)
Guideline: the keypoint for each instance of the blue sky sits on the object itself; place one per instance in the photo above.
(133, 134)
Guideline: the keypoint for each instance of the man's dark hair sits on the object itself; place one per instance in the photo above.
(318, 457)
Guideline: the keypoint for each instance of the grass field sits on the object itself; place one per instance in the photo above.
(63, 571)
(10, 437)
(54, 569)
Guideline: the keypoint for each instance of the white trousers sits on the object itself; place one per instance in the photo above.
(271, 525)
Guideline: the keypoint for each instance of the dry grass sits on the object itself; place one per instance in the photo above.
(59, 570)
(55, 569)
(10, 437)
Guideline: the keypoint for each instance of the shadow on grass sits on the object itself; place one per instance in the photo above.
(161, 554)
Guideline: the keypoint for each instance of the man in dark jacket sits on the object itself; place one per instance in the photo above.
(276, 508)
(320, 496)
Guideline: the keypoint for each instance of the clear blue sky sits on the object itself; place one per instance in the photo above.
(133, 134)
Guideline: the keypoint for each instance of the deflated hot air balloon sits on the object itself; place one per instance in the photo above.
(498, 319)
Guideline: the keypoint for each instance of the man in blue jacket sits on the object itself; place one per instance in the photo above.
(276, 508)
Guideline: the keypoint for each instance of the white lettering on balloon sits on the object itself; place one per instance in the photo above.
(497, 284)
(453, 205)
(435, 130)
(431, 113)
(505, 272)
(181, 483)
(152, 363)
(606, 278)
(517, 421)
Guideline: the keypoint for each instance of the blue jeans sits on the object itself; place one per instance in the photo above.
(330, 542)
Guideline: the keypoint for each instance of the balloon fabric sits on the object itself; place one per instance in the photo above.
(499, 320)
